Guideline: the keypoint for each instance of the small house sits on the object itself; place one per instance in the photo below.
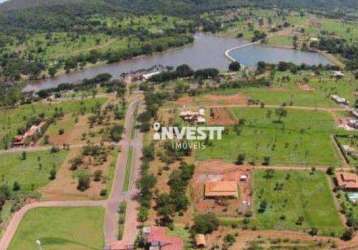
(200, 241)
(353, 123)
(337, 74)
(347, 181)
(339, 100)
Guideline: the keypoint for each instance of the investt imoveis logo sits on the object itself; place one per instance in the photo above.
(187, 137)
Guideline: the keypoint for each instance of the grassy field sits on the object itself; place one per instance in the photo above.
(287, 200)
(13, 119)
(61, 229)
(285, 89)
(31, 173)
(302, 138)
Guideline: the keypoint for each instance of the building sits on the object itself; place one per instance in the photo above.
(200, 241)
(353, 123)
(339, 100)
(338, 74)
(157, 239)
(347, 181)
(29, 135)
(193, 116)
(355, 113)
(221, 189)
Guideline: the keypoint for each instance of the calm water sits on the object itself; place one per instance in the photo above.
(206, 51)
(251, 55)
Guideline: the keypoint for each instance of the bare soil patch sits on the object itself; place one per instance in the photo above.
(220, 171)
(64, 187)
(221, 116)
(305, 87)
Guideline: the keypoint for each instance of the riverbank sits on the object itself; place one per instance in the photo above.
(331, 58)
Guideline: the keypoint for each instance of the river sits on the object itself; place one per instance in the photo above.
(207, 50)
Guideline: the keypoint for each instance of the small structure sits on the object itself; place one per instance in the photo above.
(314, 39)
(355, 113)
(200, 241)
(157, 239)
(146, 77)
(25, 139)
(350, 151)
(347, 181)
(221, 189)
(193, 116)
(339, 100)
(337, 74)
(353, 123)
(244, 177)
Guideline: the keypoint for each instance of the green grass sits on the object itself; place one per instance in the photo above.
(287, 91)
(302, 138)
(13, 119)
(61, 229)
(31, 173)
(128, 171)
(302, 194)
(281, 41)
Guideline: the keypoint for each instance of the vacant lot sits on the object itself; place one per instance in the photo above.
(30, 171)
(61, 229)
(295, 200)
(301, 138)
(13, 119)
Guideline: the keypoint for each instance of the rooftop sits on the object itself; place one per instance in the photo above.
(221, 189)
(347, 180)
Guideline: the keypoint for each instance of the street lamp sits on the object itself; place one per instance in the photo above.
(38, 242)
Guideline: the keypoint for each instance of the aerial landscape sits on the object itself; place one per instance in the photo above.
(178, 124)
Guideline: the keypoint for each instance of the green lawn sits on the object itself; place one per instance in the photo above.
(302, 138)
(61, 229)
(291, 194)
(31, 173)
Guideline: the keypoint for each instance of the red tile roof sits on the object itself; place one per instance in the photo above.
(347, 180)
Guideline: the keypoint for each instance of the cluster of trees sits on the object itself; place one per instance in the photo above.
(185, 71)
(146, 183)
(340, 46)
(103, 79)
(168, 204)
(285, 66)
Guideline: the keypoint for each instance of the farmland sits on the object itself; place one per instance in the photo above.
(69, 228)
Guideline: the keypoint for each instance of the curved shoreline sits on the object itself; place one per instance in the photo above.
(331, 58)
(227, 52)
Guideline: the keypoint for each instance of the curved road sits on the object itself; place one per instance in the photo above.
(130, 139)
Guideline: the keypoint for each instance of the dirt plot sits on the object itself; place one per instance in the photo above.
(237, 99)
(270, 239)
(221, 116)
(305, 87)
(220, 171)
(64, 187)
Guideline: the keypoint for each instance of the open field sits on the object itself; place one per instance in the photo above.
(32, 172)
(16, 118)
(288, 199)
(65, 186)
(61, 229)
(301, 138)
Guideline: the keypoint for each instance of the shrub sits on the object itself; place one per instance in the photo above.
(205, 223)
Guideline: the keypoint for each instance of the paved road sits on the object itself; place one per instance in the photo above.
(116, 197)
(111, 205)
